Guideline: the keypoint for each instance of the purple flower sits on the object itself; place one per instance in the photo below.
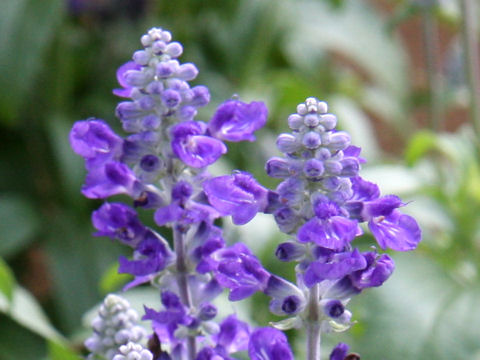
(390, 227)
(184, 210)
(339, 352)
(193, 146)
(377, 270)
(269, 344)
(111, 179)
(166, 322)
(96, 142)
(238, 195)
(121, 72)
(208, 353)
(287, 299)
(397, 231)
(120, 222)
(240, 271)
(337, 266)
(329, 228)
(151, 256)
(374, 273)
(233, 336)
(237, 121)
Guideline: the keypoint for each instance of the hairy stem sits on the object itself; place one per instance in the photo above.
(313, 325)
(185, 294)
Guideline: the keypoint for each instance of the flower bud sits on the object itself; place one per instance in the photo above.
(290, 251)
(287, 143)
(312, 140)
(295, 121)
(277, 167)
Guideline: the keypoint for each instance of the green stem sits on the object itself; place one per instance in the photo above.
(470, 42)
(185, 295)
(313, 325)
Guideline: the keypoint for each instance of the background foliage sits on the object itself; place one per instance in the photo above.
(391, 70)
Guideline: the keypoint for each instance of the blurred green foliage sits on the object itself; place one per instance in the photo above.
(58, 60)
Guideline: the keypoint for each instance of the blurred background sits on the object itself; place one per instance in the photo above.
(402, 77)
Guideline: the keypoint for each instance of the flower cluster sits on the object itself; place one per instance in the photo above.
(320, 203)
(162, 166)
(115, 325)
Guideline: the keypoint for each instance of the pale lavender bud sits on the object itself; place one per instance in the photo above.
(339, 141)
(146, 103)
(171, 98)
(155, 87)
(311, 120)
(287, 143)
(350, 167)
(312, 140)
(138, 78)
(295, 121)
(302, 109)
(141, 57)
(290, 251)
(313, 168)
(159, 47)
(277, 167)
(328, 121)
(333, 167)
(151, 122)
(174, 49)
(187, 72)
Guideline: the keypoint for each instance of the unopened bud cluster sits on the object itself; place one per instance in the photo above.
(115, 325)
(315, 163)
(132, 351)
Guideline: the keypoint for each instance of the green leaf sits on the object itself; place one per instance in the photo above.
(7, 281)
(18, 342)
(111, 280)
(26, 28)
(59, 351)
(25, 310)
(419, 145)
(18, 223)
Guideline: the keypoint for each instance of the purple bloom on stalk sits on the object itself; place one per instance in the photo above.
(391, 228)
(339, 352)
(167, 321)
(208, 353)
(120, 222)
(237, 121)
(111, 179)
(233, 336)
(193, 146)
(239, 270)
(121, 72)
(151, 256)
(238, 195)
(269, 344)
(287, 299)
(95, 142)
(329, 228)
(182, 209)
(376, 271)
(340, 265)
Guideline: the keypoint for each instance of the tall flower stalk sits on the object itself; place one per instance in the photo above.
(162, 166)
(320, 203)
